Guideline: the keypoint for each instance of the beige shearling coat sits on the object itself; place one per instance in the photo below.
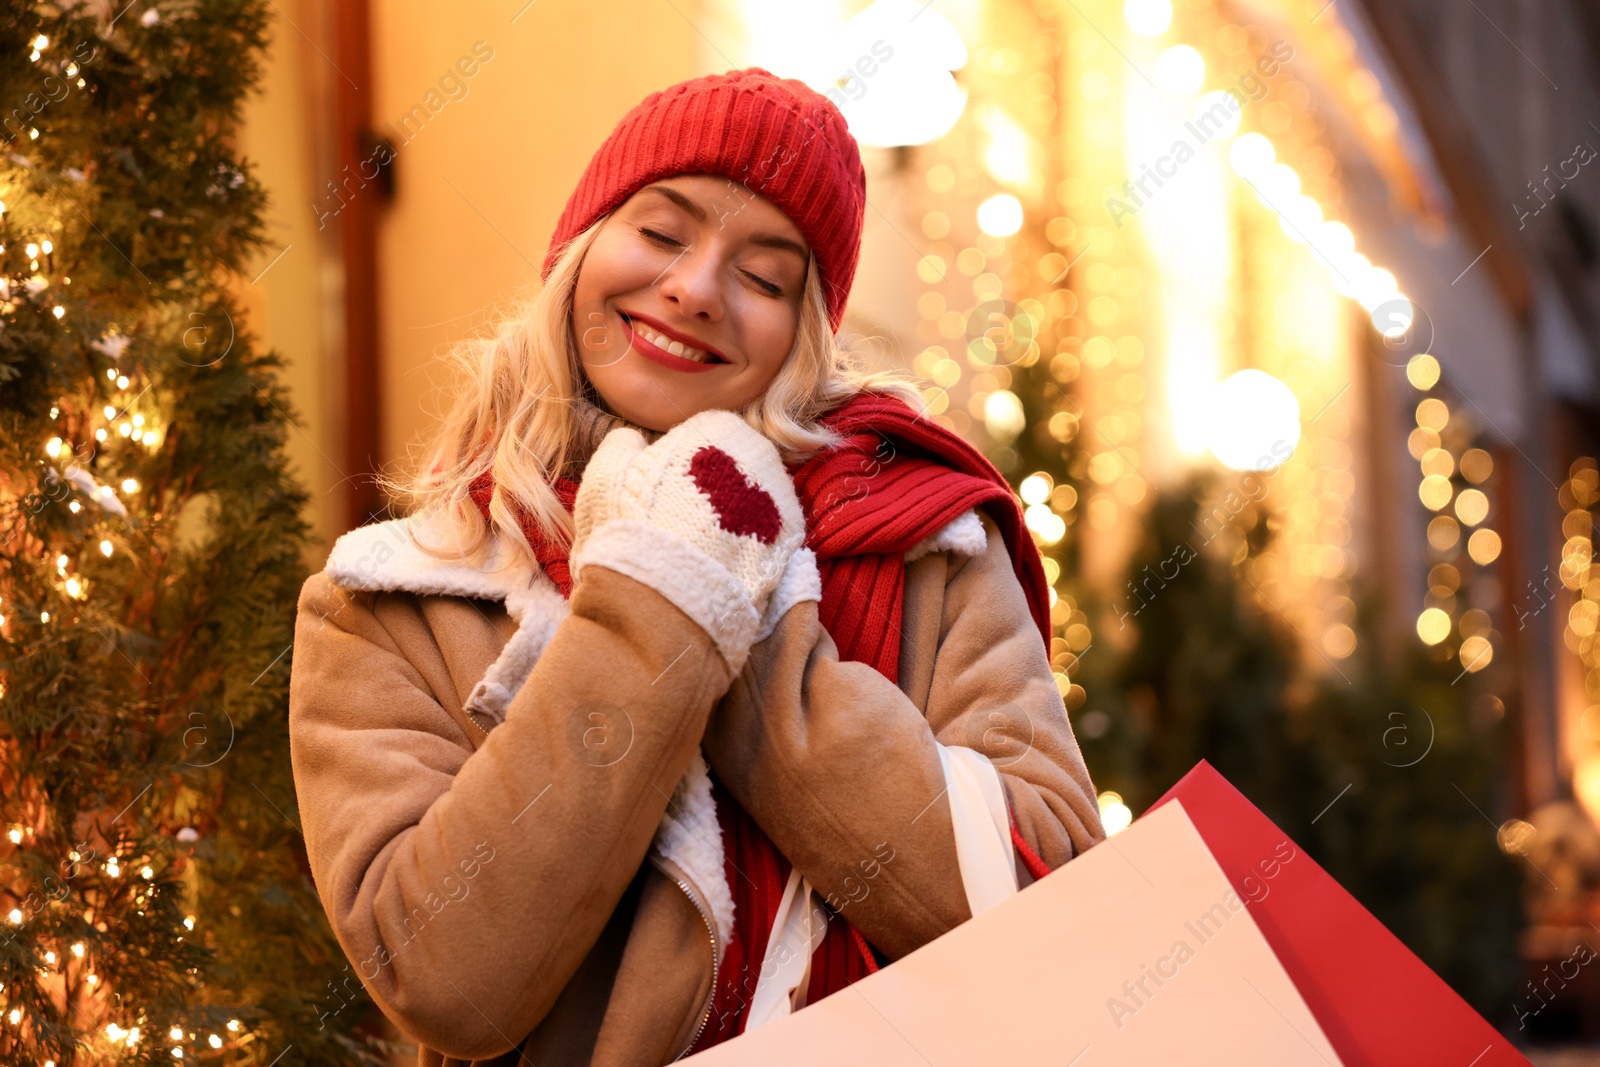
(504, 793)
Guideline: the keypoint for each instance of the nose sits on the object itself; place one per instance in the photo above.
(693, 283)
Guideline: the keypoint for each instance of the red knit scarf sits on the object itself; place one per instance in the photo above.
(896, 479)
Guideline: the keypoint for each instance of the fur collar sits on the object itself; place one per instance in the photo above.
(384, 557)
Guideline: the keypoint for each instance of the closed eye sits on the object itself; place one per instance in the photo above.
(659, 237)
(772, 288)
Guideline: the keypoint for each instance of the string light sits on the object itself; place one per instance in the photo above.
(1115, 816)
(1439, 491)
(1578, 497)
(1148, 18)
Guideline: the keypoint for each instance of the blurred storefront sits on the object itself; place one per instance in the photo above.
(1325, 271)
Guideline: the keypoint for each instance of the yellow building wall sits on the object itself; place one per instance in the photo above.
(481, 182)
(290, 294)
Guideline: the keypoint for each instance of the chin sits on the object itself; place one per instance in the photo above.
(651, 413)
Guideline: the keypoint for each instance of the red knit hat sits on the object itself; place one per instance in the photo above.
(778, 136)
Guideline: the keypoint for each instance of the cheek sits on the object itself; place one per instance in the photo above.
(772, 335)
(612, 266)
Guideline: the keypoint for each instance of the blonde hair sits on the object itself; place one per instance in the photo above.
(525, 410)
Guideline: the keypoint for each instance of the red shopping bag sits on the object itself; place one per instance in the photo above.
(1379, 1005)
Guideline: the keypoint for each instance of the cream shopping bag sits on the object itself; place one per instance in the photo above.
(1136, 953)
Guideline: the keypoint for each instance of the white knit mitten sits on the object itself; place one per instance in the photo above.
(707, 515)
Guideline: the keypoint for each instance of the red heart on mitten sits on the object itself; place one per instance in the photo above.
(742, 507)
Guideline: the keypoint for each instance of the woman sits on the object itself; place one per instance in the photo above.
(708, 677)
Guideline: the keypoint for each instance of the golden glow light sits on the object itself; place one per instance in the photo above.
(1250, 155)
(1438, 461)
(912, 97)
(1003, 416)
(1277, 184)
(1181, 69)
(1476, 653)
(1006, 155)
(1472, 506)
(1046, 523)
(1000, 215)
(1300, 218)
(1423, 371)
(1148, 18)
(1433, 626)
(1335, 241)
(1477, 465)
(1484, 547)
(1223, 104)
(1035, 489)
(1393, 315)
(1345, 273)
(1435, 491)
(1114, 814)
(1432, 414)
(1255, 421)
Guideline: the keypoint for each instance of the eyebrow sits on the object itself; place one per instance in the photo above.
(766, 240)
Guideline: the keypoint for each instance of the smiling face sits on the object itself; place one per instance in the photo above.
(688, 299)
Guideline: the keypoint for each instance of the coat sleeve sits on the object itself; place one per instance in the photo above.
(468, 886)
(865, 794)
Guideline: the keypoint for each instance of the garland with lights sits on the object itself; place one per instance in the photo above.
(1579, 497)
(1219, 616)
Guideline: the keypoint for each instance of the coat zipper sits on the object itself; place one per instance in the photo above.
(716, 966)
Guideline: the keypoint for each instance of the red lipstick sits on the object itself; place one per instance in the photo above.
(656, 354)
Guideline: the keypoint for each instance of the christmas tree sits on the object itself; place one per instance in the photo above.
(154, 899)
(1375, 766)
